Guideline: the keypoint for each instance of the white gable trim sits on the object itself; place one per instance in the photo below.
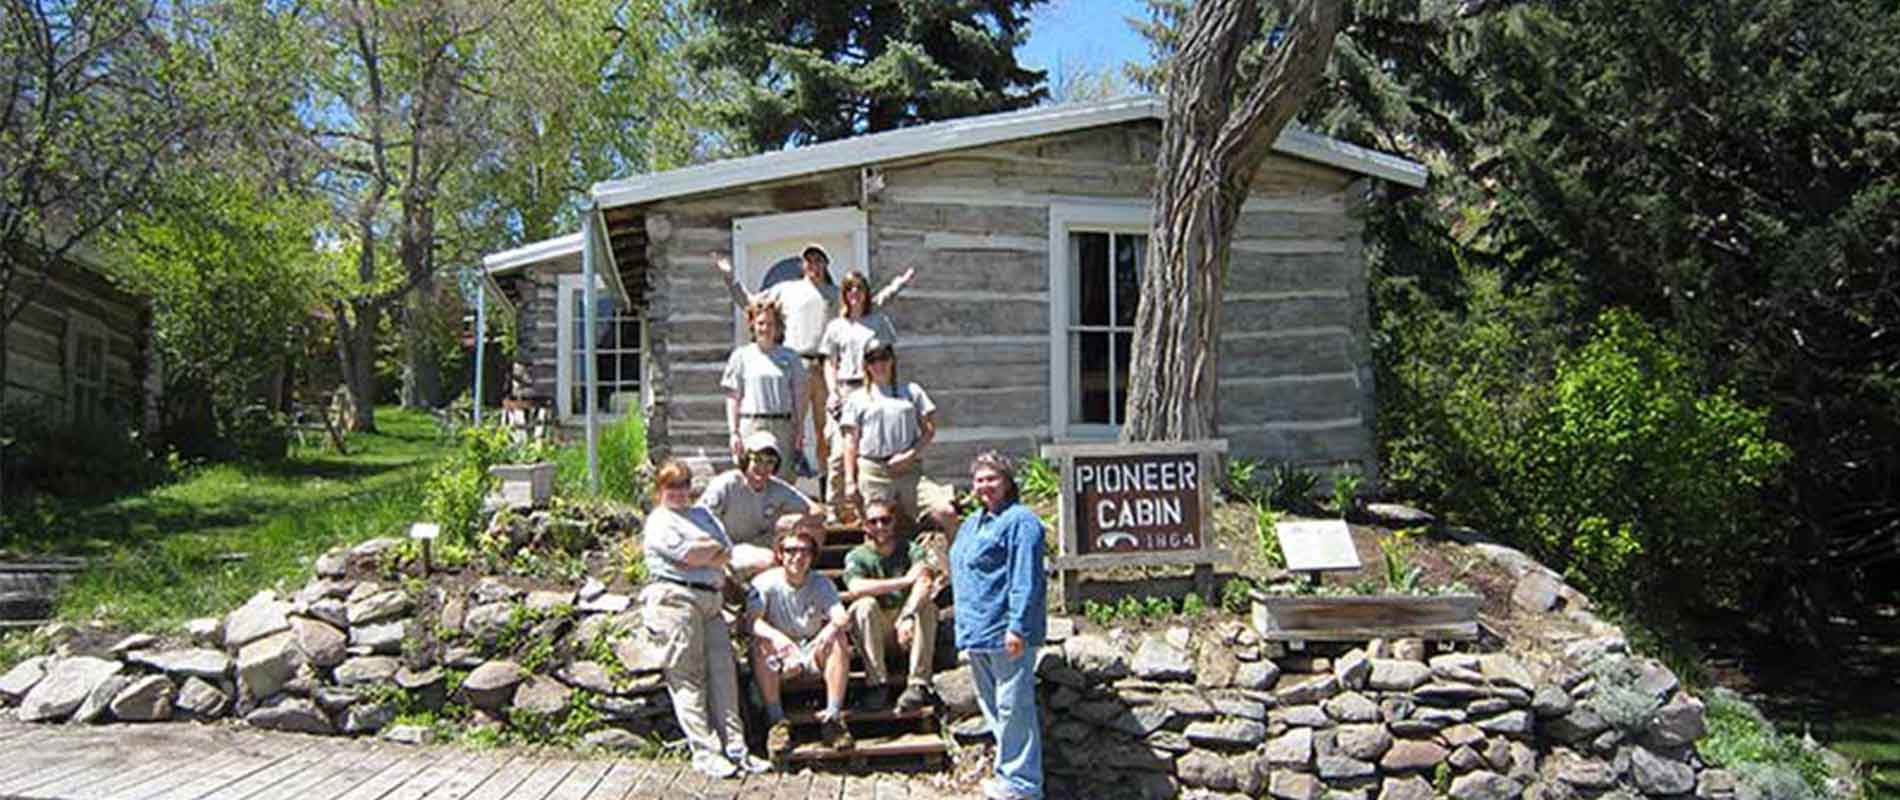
(965, 133)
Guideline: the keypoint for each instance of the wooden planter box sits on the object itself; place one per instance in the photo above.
(1350, 619)
(529, 484)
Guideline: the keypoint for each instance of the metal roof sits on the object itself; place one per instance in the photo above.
(967, 132)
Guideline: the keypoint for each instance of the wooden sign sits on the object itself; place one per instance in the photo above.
(1137, 503)
(1317, 545)
(1140, 504)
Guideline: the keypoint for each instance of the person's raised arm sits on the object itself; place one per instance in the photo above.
(894, 288)
(740, 297)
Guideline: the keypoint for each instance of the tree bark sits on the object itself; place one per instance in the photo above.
(356, 354)
(1221, 126)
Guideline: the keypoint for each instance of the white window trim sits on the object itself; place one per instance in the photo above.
(78, 326)
(1064, 218)
(747, 231)
(564, 345)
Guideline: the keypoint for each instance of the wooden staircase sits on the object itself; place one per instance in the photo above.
(885, 739)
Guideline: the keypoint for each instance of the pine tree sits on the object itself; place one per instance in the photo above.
(816, 71)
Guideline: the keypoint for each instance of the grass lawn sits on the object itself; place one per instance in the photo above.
(202, 544)
(1874, 741)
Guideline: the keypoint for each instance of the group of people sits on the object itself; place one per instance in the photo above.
(820, 349)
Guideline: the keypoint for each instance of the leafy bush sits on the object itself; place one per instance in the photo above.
(453, 494)
(46, 453)
(1292, 488)
(1038, 480)
(1236, 595)
(1610, 461)
(257, 433)
(1243, 478)
(1776, 764)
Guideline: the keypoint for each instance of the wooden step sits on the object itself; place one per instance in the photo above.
(901, 745)
(810, 717)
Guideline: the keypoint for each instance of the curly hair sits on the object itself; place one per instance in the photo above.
(762, 306)
(997, 462)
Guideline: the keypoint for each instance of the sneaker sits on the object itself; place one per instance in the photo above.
(875, 698)
(778, 741)
(751, 764)
(999, 789)
(714, 765)
(835, 735)
(915, 696)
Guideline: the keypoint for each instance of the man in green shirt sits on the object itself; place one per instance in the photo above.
(889, 586)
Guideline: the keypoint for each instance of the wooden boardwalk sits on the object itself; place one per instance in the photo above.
(189, 762)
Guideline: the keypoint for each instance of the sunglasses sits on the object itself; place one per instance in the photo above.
(796, 550)
(879, 522)
(881, 355)
(765, 458)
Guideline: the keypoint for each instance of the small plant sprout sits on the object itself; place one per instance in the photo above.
(1401, 575)
(1266, 528)
(1346, 491)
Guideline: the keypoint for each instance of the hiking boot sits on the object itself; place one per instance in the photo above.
(778, 741)
(915, 696)
(835, 735)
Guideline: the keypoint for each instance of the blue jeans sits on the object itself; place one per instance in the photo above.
(1006, 691)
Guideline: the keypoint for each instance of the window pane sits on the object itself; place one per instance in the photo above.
(1089, 253)
(1124, 344)
(1131, 254)
(629, 333)
(1090, 357)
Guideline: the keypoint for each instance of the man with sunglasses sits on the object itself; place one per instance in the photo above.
(750, 500)
(890, 587)
(799, 628)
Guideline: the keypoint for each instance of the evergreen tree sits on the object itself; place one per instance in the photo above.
(811, 72)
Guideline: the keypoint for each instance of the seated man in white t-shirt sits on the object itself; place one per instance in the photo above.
(799, 627)
(755, 505)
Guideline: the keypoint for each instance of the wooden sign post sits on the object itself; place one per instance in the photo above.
(1142, 504)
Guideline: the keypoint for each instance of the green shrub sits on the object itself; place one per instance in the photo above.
(1243, 480)
(622, 451)
(1038, 481)
(1776, 764)
(45, 452)
(1401, 575)
(1236, 595)
(1609, 461)
(1292, 489)
(1192, 605)
(452, 496)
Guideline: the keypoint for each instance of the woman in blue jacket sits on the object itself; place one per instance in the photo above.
(1002, 610)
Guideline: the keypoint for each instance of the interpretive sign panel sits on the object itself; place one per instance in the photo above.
(1142, 504)
(1317, 545)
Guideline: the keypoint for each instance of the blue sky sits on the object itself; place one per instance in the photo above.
(1084, 34)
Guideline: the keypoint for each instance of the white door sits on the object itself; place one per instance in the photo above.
(767, 250)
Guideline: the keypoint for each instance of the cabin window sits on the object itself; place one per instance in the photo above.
(1097, 252)
(1105, 288)
(85, 370)
(619, 336)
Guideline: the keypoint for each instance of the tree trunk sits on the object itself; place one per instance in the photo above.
(4, 443)
(356, 353)
(1221, 125)
(422, 355)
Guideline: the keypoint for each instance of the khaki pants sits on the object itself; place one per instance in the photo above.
(876, 629)
(780, 428)
(914, 494)
(816, 392)
(699, 668)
